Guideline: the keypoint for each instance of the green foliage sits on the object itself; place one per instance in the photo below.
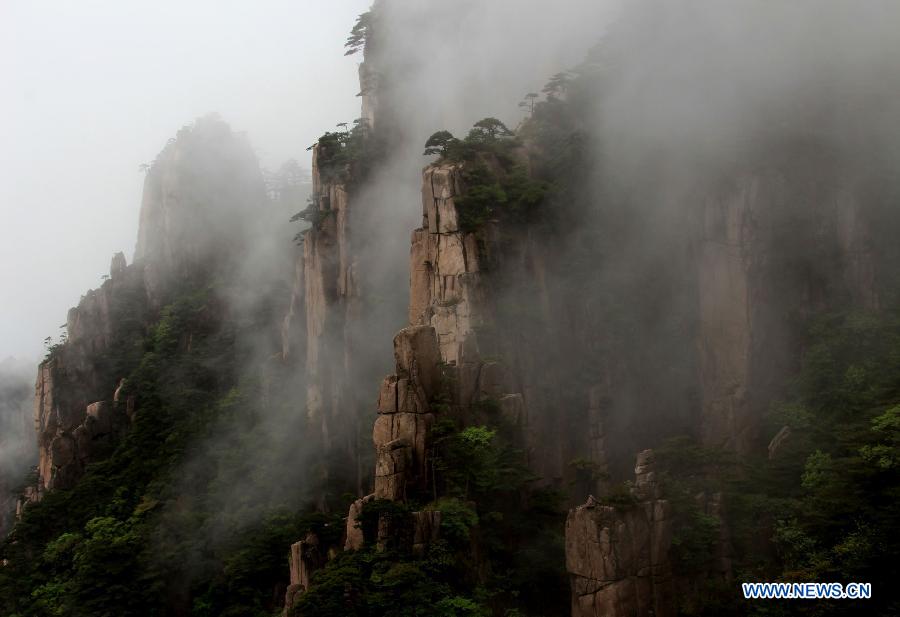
(486, 499)
(474, 464)
(380, 584)
(557, 85)
(885, 454)
(147, 531)
(488, 139)
(392, 512)
(620, 496)
(311, 214)
(360, 33)
(497, 183)
(483, 197)
(690, 476)
(458, 519)
(440, 143)
(695, 538)
(488, 130)
(348, 156)
(826, 506)
(587, 473)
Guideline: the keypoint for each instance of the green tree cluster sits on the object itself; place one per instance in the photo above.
(159, 527)
(497, 182)
(500, 549)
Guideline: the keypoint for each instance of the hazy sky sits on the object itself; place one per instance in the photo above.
(92, 89)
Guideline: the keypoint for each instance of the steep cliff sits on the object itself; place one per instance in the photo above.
(199, 197)
(200, 194)
(77, 411)
(566, 303)
(346, 283)
(325, 300)
(774, 247)
(441, 382)
(618, 555)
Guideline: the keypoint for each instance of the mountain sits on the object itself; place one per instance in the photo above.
(614, 360)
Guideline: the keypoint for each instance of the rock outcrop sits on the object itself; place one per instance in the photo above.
(74, 415)
(306, 557)
(199, 195)
(618, 556)
(329, 296)
(403, 426)
(436, 358)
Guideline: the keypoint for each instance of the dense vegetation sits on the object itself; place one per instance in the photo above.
(170, 523)
(494, 172)
(824, 506)
(499, 550)
(181, 519)
(829, 497)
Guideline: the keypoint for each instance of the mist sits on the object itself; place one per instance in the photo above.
(674, 98)
(680, 102)
(704, 155)
(94, 91)
(290, 464)
(713, 80)
(688, 104)
(17, 441)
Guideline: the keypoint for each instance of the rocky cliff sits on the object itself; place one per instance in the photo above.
(618, 555)
(438, 348)
(199, 196)
(77, 414)
(565, 313)
(324, 303)
(201, 193)
(770, 249)
(774, 247)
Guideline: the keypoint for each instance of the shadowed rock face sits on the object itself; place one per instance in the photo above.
(618, 557)
(774, 247)
(200, 195)
(306, 557)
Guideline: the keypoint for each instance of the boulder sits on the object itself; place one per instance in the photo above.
(418, 356)
(354, 535)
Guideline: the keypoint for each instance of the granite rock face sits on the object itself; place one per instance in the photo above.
(618, 558)
(438, 348)
(403, 426)
(324, 336)
(75, 418)
(762, 245)
(306, 557)
(444, 265)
